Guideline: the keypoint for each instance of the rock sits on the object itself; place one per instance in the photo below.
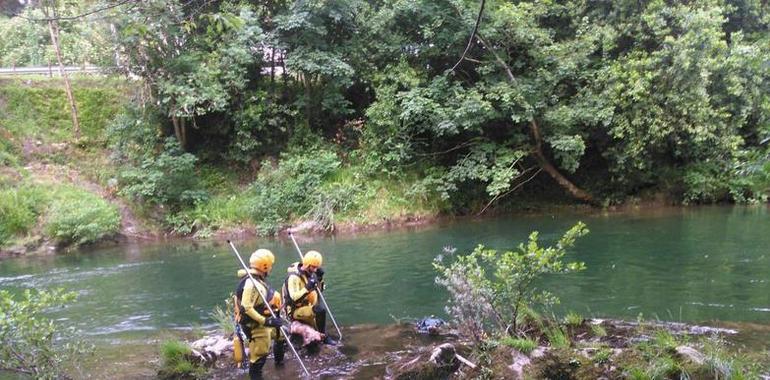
(538, 352)
(691, 354)
(443, 354)
(519, 362)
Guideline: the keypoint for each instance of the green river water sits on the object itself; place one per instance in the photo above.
(698, 265)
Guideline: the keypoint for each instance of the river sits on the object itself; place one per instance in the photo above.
(703, 265)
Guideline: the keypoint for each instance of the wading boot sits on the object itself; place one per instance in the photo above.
(320, 322)
(279, 350)
(255, 369)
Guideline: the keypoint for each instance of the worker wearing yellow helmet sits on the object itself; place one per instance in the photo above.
(255, 319)
(300, 290)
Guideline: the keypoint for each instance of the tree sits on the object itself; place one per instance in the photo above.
(195, 60)
(30, 343)
(319, 40)
(489, 289)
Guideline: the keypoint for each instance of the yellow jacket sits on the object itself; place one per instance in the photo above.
(295, 284)
(252, 298)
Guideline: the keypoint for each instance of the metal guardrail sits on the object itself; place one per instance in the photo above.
(51, 70)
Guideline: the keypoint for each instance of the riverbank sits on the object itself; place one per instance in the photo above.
(589, 349)
(120, 182)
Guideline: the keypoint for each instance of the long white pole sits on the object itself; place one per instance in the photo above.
(264, 299)
(320, 294)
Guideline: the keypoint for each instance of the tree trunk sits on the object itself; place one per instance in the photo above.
(575, 191)
(53, 28)
(542, 160)
(308, 100)
(179, 131)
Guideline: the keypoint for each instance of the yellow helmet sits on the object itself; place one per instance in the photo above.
(270, 256)
(312, 258)
(262, 260)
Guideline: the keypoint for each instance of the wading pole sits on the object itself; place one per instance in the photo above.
(264, 299)
(320, 294)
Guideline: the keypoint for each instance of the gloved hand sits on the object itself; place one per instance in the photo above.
(319, 273)
(273, 322)
(312, 283)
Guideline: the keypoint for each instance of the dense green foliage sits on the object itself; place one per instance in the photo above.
(607, 100)
(326, 111)
(27, 43)
(67, 215)
(31, 343)
(78, 217)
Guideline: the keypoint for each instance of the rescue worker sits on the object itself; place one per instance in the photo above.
(300, 289)
(257, 323)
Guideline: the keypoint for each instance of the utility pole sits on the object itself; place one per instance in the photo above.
(49, 10)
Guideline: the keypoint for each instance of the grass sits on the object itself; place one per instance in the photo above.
(39, 109)
(598, 330)
(176, 364)
(344, 196)
(573, 319)
(557, 337)
(64, 213)
(384, 198)
(523, 345)
(224, 317)
(602, 355)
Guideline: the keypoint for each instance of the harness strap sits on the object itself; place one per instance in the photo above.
(290, 302)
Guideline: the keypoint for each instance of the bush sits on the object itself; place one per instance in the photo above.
(490, 289)
(19, 209)
(31, 343)
(133, 134)
(79, 217)
(288, 191)
(166, 179)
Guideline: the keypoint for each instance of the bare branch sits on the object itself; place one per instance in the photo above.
(473, 34)
(511, 190)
